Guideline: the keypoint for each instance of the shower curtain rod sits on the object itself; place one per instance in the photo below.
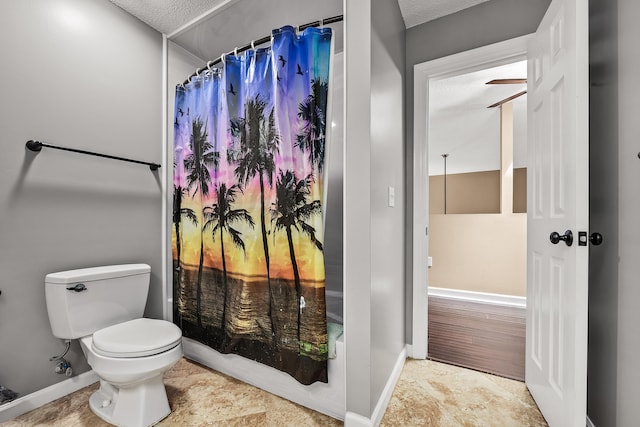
(37, 146)
(260, 41)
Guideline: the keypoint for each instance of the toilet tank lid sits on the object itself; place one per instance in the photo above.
(96, 273)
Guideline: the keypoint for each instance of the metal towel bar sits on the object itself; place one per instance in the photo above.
(37, 146)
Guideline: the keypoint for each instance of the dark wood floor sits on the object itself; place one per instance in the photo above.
(485, 337)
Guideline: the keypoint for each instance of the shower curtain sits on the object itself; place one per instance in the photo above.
(249, 145)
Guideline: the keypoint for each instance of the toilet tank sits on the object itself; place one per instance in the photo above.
(80, 302)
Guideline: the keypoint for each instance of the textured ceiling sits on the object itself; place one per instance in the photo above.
(248, 20)
(461, 125)
(167, 16)
(416, 12)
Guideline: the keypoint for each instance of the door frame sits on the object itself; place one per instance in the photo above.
(468, 61)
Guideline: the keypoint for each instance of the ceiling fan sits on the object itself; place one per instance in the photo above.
(507, 82)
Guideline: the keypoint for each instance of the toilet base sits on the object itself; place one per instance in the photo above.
(141, 405)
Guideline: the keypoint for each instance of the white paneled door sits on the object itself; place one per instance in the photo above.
(558, 202)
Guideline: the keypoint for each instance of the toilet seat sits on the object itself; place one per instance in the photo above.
(136, 338)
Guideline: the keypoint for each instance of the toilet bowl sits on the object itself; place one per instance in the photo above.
(130, 359)
(102, 307)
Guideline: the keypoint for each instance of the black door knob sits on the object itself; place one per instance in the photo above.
(567, 237)
(595, 239)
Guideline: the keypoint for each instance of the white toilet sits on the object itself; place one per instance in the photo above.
(103, 307)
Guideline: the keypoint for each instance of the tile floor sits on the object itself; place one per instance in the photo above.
(435, 394)
(427, 394)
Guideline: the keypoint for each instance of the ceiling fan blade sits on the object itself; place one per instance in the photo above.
(511, 98)
(507, 81)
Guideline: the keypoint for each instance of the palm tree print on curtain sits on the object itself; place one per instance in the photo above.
(256, 143)
(249, 146)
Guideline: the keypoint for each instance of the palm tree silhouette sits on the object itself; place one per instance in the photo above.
(257, 145)
(313, 112)
(198, 163)
(220, 217)
(178, 213)
(292, 210)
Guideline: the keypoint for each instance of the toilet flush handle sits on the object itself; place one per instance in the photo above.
(77, 288)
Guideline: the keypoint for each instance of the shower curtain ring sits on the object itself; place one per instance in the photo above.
(235, 52)
(253, 46)
(209, 64)
(322, 23)
(222, 58)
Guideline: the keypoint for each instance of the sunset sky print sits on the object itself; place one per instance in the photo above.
(281, 76)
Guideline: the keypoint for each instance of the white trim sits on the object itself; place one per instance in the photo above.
(420, 216)
(385, 397)
(482, 57)
(166, 276)
(46, 395)
(483, 297)
(352, 419)
(327, 398)
(198, 19)
(589, 422)
(409, 348)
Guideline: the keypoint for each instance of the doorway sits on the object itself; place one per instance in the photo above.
(495, 55)
(477, 214)
(558, 205)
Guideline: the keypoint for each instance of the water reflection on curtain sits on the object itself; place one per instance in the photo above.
(248, 185)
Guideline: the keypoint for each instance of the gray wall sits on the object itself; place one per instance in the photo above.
(603, 215)
(374, 232)
(481, 25)
(628, 409)
(614, 294)
(357, 208)
(82, 74)
(387, 169)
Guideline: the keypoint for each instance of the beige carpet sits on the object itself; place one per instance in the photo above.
(427, 394)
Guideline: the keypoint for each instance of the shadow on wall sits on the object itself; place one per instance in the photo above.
(29, 156)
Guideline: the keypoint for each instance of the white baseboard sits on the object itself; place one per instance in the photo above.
(355, 420)
(482, 297)
(352, 419)
(409, 349)
(385, 397)
(39, 398)
(589, 422)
